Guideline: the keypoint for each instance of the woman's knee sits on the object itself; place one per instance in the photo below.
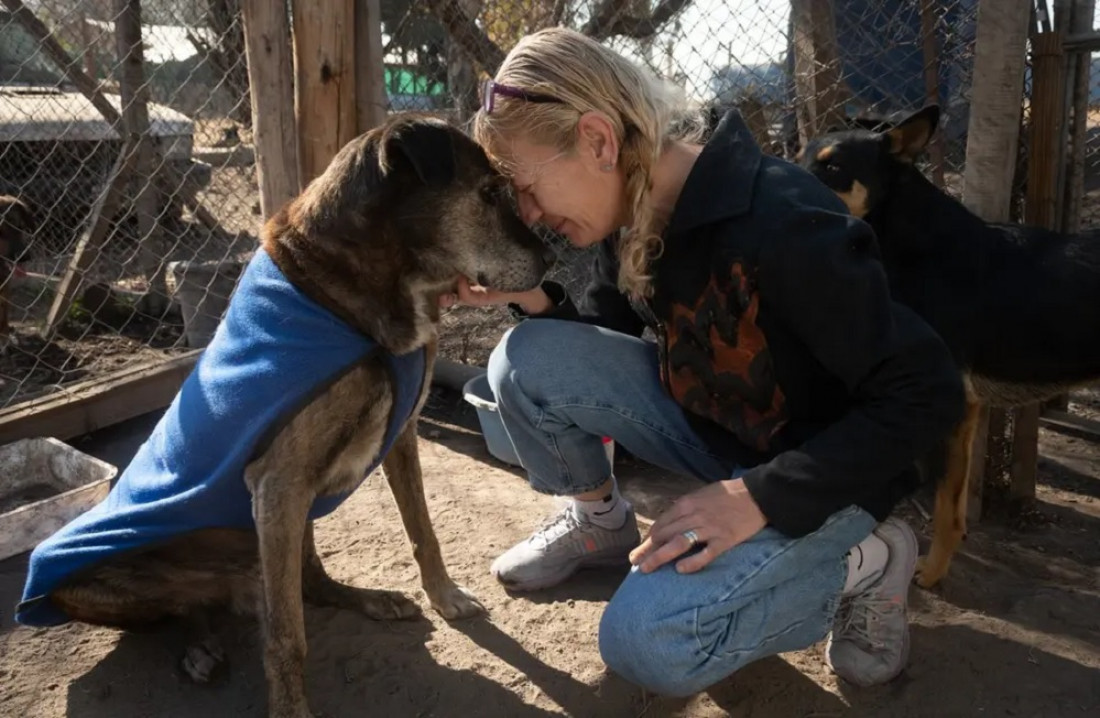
(656, 651)
(537, 350)
(509, 354)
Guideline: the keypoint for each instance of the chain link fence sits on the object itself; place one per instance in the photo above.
(90, 293)
(792, 67)
(187, 215)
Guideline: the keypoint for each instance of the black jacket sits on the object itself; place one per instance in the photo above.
(778, 336)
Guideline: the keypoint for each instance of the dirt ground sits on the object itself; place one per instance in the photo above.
(1013, 631)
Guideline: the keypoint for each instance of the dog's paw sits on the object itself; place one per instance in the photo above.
(387, 605)
(926, 576)
(203, 661)
(456, 602)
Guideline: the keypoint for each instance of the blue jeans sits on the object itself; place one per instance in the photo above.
(560, 386)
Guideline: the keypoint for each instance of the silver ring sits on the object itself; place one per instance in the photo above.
(691, 536)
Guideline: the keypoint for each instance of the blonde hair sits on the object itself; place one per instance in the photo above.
(586, 76)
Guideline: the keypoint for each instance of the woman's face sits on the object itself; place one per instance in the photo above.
(578, 193)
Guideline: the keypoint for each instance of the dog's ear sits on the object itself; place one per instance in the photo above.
(909, 138)
(426, 145)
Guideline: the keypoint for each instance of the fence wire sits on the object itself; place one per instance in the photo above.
(188, 215)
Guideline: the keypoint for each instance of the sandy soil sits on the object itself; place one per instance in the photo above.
(1013, 631)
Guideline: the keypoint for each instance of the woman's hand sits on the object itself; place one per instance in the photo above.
(534, 301)
(722, 515)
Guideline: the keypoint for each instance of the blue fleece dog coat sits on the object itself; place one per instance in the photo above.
(274, 352)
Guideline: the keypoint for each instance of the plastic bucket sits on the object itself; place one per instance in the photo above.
(480, 396)
(203, 290)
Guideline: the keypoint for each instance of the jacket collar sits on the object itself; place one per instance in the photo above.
(720, 184)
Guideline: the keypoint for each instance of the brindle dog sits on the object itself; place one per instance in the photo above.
(396, 218)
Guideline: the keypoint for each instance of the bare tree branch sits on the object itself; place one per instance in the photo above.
(607, 21)
(610, 19)
(560, 8)
(467, 35)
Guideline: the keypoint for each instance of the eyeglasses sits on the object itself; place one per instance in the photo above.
(490, 89)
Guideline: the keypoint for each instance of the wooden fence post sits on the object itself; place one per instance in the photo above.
(135, 125)
(821, 91)
(325, 87)
(370, 79)
(271, 80)
(1043, 163)
(1000, 51)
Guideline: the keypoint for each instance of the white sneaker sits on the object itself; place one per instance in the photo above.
(566, 544)
(869, 643)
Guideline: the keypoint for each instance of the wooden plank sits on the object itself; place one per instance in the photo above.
(1046, 140)
(1044, 163)
(1025, 453)
(271, 78)
(1053, 419)
(221, 157)
(71, 67)
(975, 487)
(1063, 15)
(1082, 42)
(98, 403)
(325, 85)
(87, 249)
(82, 408)
(1071, 183)
(1079, 69)
(372, 104)
(134, 93)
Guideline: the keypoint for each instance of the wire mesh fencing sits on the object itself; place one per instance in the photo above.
(140, 201)
(143, 200)
(793, 68)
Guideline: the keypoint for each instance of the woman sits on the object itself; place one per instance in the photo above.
(782, 375)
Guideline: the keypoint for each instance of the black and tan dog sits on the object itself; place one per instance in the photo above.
(16, 225)
(317, 375)
(1018, 306)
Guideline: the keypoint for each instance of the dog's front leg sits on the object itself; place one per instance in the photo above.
(402, 468)
(281, 511)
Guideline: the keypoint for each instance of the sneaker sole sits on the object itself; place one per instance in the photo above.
(551, 580)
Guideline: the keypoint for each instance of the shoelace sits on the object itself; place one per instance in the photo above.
(557, 526)
(855, 616)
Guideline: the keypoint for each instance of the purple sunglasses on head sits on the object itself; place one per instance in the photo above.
(490, 89)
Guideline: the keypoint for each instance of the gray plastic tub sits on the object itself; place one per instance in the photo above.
(44, 484)
(203, 290)
(479, 395)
